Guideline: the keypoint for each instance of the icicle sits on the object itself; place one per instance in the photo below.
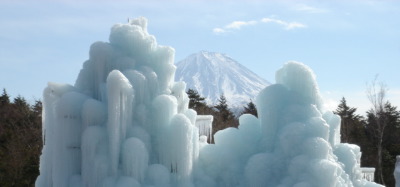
(204, 124)
(120, 99)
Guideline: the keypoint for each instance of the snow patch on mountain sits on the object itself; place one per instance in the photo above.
(213, 74)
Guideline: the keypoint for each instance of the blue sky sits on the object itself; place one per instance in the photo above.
(346, 43)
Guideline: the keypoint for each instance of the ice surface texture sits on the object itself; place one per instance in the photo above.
(396, 172)
(125, 122)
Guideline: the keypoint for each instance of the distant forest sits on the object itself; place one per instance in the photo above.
(377, 133)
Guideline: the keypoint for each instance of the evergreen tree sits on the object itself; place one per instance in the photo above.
(392, 115)
(21, 105)
(223, 117)
(37, 108)
(20, 142)
(223, 110)
(195, 100)
(250, 109)
(4, 98)
(390, 142)
(351, 123)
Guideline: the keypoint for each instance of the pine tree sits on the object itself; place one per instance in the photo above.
(37, 108)
(349, 123)
(223, 117)
(21, 104)
(5, 110)
(20, 140)
(197, 103)
(223, 110)
(4, 98)
(195, 100)
(250, 109)
(392, 115)
(391, 143)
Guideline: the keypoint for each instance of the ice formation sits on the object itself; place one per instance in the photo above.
(396, 172)
(204, 124)
(125, 122)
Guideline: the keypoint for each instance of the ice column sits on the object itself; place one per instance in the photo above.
(204, 124)
(397, 171)
(125, 122)
(120, 98)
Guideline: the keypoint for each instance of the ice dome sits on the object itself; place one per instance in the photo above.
(125, 122)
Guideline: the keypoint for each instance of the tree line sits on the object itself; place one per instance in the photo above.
(223, 115)
(20, 141)
(377, 134)
(379, 146)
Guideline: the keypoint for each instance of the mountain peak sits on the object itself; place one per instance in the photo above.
(208, 55)
(213, 74)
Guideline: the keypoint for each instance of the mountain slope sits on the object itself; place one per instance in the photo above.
(213, 74)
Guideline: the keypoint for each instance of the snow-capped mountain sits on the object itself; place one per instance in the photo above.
(213, 74)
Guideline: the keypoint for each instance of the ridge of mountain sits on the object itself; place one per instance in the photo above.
(213, 74)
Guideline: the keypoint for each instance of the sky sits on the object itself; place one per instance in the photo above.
(346, 43)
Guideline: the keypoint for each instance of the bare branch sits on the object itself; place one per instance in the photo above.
(376, 94)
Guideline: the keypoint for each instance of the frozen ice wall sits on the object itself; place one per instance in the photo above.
(125, 122)
(396, 172)
(293, 142)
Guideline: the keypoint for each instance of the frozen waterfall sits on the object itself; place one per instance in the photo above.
(125, 122)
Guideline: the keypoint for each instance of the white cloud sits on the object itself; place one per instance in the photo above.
(309, 9)
(236, 25)
(287, 25)
(239, 24)
(294, 25)
(330, 104)
(218, 30)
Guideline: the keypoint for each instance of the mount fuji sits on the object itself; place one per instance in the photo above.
(213, 74)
